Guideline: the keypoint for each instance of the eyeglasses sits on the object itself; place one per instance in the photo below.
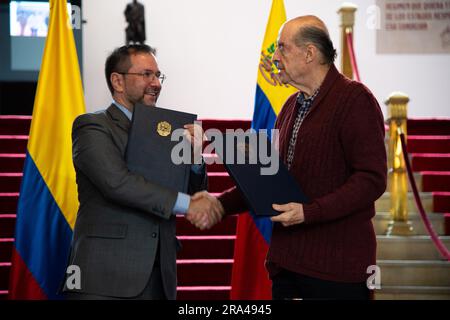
(147, 75)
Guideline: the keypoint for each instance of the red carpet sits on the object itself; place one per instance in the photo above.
(435, 181)
(204, 265)
(447, 223)
(429, 127)
(205, 262)
(430, 161)
(6, 246)
(429, 144)
(441, 202)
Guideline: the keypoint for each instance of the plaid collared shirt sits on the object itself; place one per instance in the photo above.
(303, 105)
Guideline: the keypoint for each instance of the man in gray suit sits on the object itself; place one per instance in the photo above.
(124, 239)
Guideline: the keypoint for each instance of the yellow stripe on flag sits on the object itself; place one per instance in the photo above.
(276, 95)
(59, 100)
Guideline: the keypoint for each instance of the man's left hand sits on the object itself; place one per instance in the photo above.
(291, 213)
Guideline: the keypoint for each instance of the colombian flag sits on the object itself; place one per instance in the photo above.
(48, 197)
(249, 277)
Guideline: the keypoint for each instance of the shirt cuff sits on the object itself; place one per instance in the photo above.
(181, 204)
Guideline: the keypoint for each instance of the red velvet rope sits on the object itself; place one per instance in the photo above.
(349, 37)
(437, 242)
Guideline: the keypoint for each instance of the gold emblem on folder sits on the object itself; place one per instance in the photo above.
(164, 128)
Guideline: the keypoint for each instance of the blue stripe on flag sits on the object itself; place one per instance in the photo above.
(264, 226)
(43, 235)
(263, 117)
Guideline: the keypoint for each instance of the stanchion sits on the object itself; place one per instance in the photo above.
(347, 12)
(397, 109)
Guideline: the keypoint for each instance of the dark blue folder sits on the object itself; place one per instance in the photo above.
(260, 191)
(149, 146)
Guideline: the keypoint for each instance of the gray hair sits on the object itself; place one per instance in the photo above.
(319, 38)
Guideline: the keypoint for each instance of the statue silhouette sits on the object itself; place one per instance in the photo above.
(134, 14)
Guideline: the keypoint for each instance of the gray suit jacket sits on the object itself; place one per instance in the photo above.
(122, 216)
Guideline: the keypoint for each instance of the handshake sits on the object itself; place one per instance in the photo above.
(204, 210)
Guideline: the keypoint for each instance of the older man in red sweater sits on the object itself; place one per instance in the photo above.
(332, 140)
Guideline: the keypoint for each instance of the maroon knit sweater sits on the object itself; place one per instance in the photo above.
(340, 163)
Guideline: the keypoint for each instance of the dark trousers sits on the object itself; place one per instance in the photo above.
(154, 290)
(288, 285)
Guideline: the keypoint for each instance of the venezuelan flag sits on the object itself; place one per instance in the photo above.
(249, 277)
(48, 197)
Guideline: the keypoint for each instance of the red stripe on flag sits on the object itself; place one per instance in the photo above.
(22, 285)
(250, 280)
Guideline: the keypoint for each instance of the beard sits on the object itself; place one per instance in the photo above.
(145, 99)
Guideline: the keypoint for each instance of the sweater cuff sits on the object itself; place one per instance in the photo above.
(312, 213)
(232, 201)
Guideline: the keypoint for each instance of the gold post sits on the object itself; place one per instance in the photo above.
(347, 12)
(397, 117)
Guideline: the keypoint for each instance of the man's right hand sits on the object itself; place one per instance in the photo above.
(204, 210)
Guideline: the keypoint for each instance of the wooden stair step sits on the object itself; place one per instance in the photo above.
(382, 219)
(414, 273)
(412, 293)
(417, 178)
(383, 204)
(408, 248)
